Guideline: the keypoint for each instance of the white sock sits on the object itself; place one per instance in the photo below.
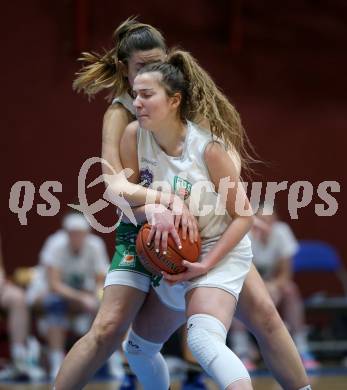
(56, 357)
(300, 341)
(146, 362)
(115, 364)
(33, 350)
(308, 387)
(18, 353)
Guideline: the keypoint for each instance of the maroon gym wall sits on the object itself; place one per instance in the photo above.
(284, 69)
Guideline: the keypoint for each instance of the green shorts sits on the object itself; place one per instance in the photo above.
(126, 268)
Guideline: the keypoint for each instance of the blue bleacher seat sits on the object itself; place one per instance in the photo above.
(316, 256)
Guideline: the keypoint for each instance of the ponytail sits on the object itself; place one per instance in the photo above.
(206, 101)
(100, 72)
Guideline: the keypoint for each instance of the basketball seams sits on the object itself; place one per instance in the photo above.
(161, 264)
(180, 254)
(171, 263)
(166, 264)
(142, 253)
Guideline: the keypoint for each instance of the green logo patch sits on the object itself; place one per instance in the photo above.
(182, 187)
(129, 257)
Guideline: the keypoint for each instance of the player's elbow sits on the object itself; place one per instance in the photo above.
(249, 221)
(247, 216)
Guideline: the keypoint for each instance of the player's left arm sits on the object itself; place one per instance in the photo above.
(222, 170)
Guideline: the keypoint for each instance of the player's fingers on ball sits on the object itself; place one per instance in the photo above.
(164, 237)
(167, 276)
(177, 221)
(151, 234)
(157, 240)
(172, 281)
(186, 263)
(176, 238)
(184, 224)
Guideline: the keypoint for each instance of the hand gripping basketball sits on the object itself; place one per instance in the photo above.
(171, 262)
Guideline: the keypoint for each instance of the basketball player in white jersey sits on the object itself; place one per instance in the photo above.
(174, 151)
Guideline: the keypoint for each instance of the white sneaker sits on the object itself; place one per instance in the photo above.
(115, 366)
(56, 359)
(31, 370)
(53, 372)
(36, 373)
(8, 373)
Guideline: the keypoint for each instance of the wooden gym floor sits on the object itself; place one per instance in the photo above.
(328, 381)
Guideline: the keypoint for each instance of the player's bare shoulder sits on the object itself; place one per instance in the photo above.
(214, 151)
(217, 155)
(131, 129)
(116, 118)
(116, 112)
(129, 138)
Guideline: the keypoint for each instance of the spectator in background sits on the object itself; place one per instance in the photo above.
(12, 300)
(273, 246)
(69, 283)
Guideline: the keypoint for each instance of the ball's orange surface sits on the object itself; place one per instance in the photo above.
(172, 261)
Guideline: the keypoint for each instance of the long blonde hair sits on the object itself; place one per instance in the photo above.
(100, 71)
(202, 99)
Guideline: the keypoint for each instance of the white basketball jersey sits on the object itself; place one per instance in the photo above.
(126, 101)
(188, 177)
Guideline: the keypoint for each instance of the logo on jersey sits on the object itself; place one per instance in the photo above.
(146, 177)
(182, 187)
(129, 258)
(151, 162)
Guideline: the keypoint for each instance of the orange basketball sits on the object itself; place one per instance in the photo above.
(172, 261)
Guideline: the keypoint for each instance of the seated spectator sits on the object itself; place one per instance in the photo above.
(68, 284)
(12, 300)
(274, 245)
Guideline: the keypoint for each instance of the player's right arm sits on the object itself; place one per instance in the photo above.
(116, 119)
(128, 158)
(160, 218)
